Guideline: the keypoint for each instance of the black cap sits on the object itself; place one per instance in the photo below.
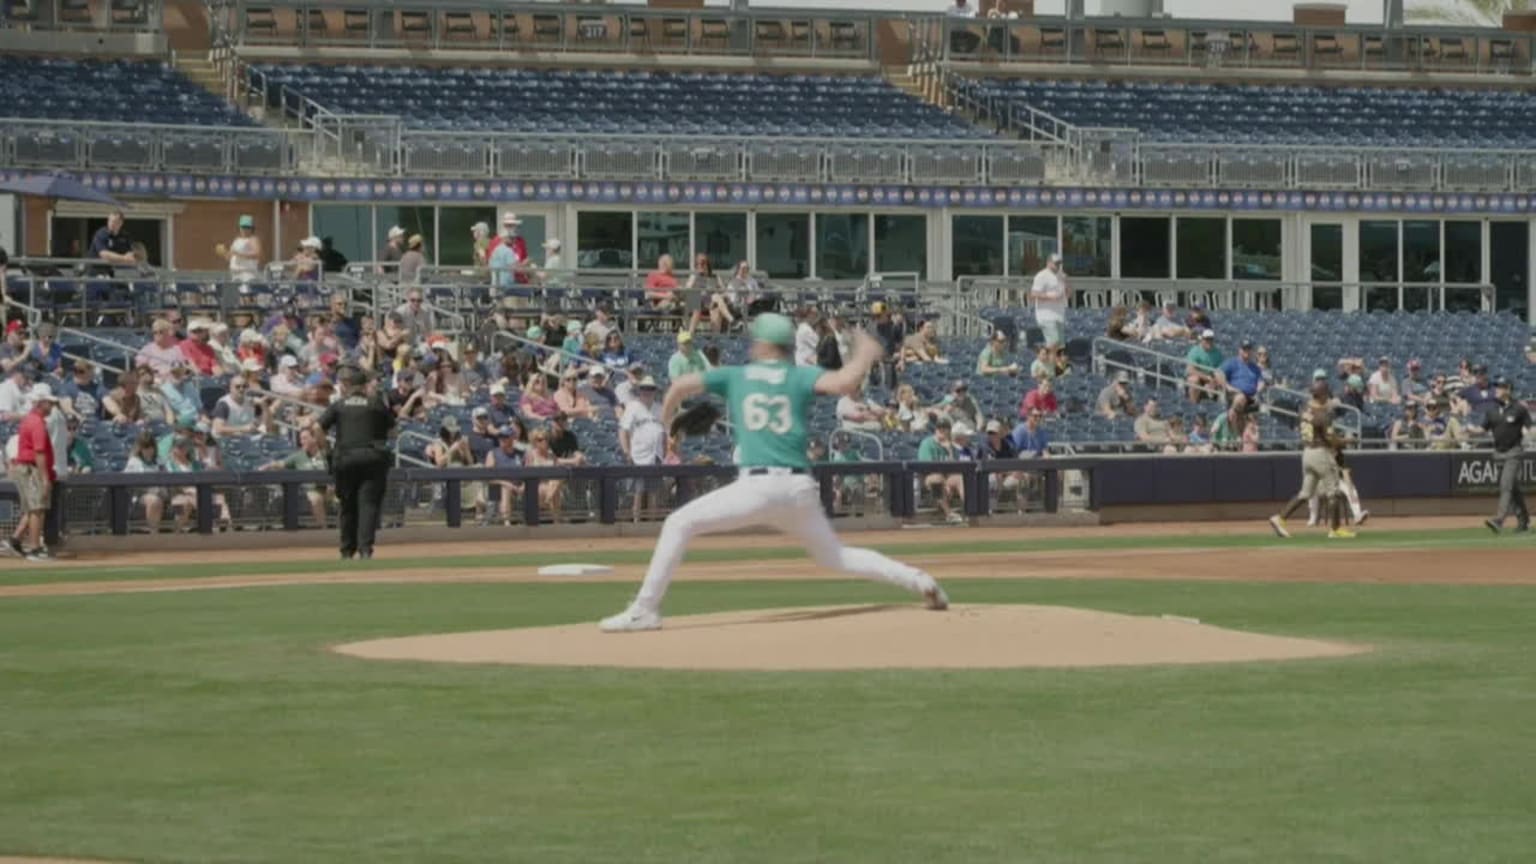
(1480, 369)
(1246, 344)
(1501, 381)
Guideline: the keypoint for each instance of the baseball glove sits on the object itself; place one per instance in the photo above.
(695, 420)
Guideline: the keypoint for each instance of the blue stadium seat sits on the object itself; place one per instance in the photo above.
(1283, 114)
(589, 101)
(117, 90)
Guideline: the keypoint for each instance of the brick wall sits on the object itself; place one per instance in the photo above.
(198, 228)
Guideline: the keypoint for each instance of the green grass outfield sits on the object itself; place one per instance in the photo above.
(213, 726)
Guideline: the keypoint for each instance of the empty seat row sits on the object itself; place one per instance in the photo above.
(1284, 114)
(530, 100)
(121, 91)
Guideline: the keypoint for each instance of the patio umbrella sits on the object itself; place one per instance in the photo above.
(58, 187)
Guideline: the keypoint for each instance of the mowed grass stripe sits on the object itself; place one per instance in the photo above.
(35, 574)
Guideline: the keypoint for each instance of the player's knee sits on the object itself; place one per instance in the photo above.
(829, 557)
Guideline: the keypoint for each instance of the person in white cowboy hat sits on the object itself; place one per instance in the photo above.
(554, 267)
(394, 250)
(305, 264)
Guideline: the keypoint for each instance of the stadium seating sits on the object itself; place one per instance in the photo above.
(1278, 114)
(122, 91)
(591, 102)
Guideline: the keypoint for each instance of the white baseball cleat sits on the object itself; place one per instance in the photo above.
(935, 598)
(631, 620)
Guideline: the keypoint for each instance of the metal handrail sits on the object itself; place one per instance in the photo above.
(879, 443)
(1102, 346)
(401, 457)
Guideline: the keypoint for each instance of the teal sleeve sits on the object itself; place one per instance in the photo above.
(806, 378)
(718, 381)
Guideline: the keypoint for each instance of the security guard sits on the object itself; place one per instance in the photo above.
(1507, 420)
(360, 459)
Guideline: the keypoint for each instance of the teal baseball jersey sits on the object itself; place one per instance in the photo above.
(769, 404)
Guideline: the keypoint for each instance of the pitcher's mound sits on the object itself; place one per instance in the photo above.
(863, 637)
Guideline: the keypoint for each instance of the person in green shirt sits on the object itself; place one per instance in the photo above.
(850, 488)
(946, 488)
(1203, 359)
(994, 359)
(769, 401)
(310, 456)
(1044, 365)
(687, 359)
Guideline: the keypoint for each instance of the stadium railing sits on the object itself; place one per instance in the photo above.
(82, 144)
(1169, 370)
(545, 28)
(119, 16)
(104, 504)
(1241, 294)
(1227, 44)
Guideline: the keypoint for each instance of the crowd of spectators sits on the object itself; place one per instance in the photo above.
(197, 385)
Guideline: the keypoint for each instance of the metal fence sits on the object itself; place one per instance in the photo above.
(115, 504)
(79, 144)
(543, 28)
(1209, 44)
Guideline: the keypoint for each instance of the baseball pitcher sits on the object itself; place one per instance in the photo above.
(769, 403)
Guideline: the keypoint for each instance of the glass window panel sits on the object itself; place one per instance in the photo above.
(456, 246)
(1463, 252)
(1378, 251)
(1144, 247)
(976, 246)
(901, 244)
(1255, 249)
(1086, 245)
(605, 240)
(1031, 239)
(1328, 253)
(784, 244)
(842, 245)
(662, 234)
(721, 236)
(415, 220)
(1202, 248)
(1421, 251)
(349, 226)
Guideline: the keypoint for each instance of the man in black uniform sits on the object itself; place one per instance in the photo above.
(1506, 420)
(360, 459)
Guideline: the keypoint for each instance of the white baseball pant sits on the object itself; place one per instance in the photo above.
(790, 503)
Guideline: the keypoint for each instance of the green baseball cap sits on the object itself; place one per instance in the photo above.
(774, 329)
(247, 222)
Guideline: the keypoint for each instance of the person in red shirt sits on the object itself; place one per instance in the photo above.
(1042, 399)
(32, 472)
(661, 285)
(197, 349)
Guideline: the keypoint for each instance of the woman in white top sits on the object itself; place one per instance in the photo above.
(145, 460)
(244, 252)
